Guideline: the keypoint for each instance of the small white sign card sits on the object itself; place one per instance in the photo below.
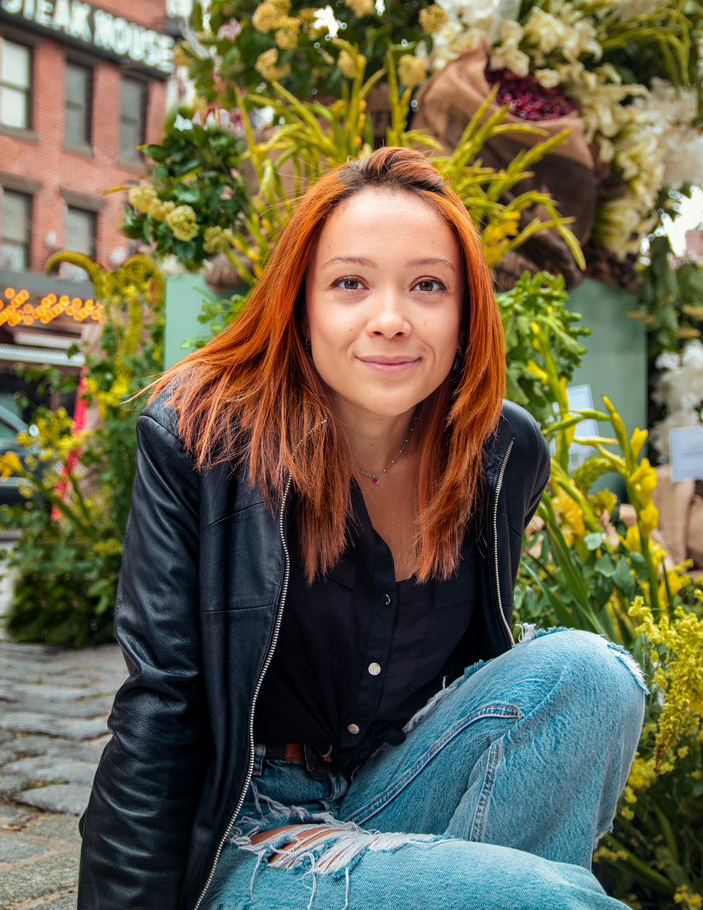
(580, 398)
(686, 453)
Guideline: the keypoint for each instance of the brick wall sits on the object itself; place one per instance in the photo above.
(41, 157)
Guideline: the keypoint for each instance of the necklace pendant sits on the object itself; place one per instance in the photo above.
(375, 479)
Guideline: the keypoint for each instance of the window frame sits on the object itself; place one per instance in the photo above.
(94, 233)
(27, 245)
(83, 143)
(132, 153)
(29, 93)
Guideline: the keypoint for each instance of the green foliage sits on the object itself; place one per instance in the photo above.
(541, 340)
(310, 64)
(595, 565)
(194, 166)
(309, 138)
(66, 563)
(670, 299)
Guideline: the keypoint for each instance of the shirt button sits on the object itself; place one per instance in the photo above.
(374, 669)
(353, 728)
(388, 599)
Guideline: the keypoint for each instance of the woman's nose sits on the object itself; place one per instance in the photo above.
(388, 316)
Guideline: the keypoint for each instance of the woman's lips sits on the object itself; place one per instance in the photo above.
(390, 367)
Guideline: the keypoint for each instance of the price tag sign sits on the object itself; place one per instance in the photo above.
(686, 453)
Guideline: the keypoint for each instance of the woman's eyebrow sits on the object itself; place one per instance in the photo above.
(362, 260)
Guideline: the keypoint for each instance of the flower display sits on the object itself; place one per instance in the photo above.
(679, 388)
(644, 129)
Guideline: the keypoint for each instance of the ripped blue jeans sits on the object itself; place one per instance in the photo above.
(507, 779)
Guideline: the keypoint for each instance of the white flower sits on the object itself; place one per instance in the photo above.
(508, 56)
(547, 78)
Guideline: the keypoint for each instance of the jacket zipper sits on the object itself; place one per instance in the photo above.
(499, 484)
(269, 656)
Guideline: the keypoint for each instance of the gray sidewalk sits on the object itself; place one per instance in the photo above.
(53, 706)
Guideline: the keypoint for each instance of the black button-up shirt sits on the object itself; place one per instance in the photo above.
(358, 652)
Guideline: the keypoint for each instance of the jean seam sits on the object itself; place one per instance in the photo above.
(486, 787)
(497, 709)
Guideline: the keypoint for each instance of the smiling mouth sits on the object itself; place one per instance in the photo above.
(387, 367)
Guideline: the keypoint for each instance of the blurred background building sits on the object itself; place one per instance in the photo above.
(82, 86)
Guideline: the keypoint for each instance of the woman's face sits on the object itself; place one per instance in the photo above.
(384, 299)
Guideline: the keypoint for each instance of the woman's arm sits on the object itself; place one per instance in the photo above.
(136, 828)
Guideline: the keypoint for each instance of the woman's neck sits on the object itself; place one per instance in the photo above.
(376, 440)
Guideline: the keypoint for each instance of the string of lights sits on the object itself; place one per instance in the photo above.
(16, 308)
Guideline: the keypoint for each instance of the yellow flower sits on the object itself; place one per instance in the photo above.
(361, 8)
(307, 15)
(267, 66)
(432, 18)
(269, 15)
(346, 64)
(10, 465)
(644, 479)
(183, 222)
(573, 516)
(637, 440)
(649, 517)
(688, 899)
(287, 34)
(411, 70)
(534, 370)
(632, 539)
(142, 197)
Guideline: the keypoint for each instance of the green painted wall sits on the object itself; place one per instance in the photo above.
(184, 298)
(616, 360)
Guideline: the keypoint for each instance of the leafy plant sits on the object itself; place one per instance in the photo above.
(248, 43)
(587, 568)
(311, 137)
(67, 560)
(194, 185)
(670, 299)
(541, 343)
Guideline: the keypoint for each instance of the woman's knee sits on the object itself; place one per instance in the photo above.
(598, 669)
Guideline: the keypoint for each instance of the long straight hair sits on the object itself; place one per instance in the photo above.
(252, 395)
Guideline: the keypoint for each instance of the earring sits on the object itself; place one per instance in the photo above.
(456, 366)
(308, 346)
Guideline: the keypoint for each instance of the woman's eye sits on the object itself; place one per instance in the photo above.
(347, 284)
(430, 284)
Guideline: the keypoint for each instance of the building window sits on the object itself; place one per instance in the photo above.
(15, 85)
(15, 230)
(79, 93)
(132, 116)
(80, 238)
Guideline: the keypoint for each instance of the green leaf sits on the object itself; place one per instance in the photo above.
(594, 540)
(605, 566)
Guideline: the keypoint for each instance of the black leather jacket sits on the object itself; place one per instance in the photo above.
(198, 609)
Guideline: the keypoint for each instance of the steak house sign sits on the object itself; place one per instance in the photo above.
(98, 29)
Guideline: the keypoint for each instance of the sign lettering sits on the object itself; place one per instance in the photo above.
(98, 28)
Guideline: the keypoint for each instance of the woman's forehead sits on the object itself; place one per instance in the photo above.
(385, 221)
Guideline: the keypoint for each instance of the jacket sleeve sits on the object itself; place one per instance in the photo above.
(136, 827)
(544, 462)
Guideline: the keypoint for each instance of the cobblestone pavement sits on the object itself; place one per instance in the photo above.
(54, 704)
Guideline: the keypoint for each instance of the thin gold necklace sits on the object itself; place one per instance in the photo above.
(376, 477)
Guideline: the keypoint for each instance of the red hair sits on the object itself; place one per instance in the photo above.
(252, 394)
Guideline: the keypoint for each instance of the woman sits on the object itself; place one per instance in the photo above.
(326, 526)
